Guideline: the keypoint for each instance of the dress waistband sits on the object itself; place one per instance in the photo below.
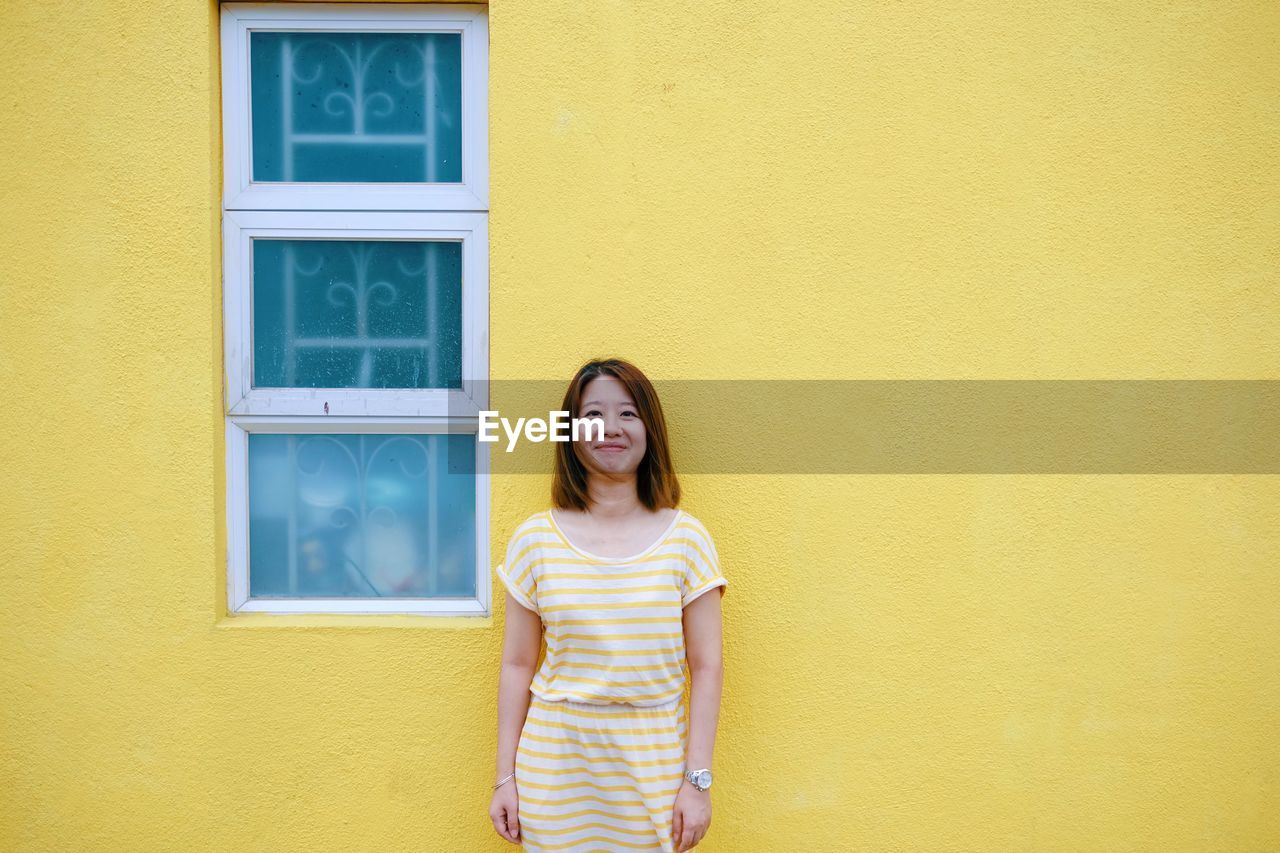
(609, 708)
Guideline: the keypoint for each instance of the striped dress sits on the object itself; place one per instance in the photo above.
(602, 751)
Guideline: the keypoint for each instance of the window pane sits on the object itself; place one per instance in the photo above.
(362, 516)
(356, 106)
(357, 314)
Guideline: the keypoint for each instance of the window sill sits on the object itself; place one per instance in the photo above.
(329, 621)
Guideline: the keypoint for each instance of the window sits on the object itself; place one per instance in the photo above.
(355, 283)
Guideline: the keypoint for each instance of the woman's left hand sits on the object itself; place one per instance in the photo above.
(691, 817)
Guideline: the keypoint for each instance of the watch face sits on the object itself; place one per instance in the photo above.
(704, 779)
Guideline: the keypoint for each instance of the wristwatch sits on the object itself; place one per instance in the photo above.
(700, 779)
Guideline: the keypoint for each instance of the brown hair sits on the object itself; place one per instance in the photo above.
(656, 483)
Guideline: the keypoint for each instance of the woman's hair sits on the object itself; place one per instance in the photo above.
(656, 484)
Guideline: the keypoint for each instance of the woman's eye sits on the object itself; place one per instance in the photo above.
(633, 414)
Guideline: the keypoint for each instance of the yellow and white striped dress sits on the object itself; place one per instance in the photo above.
(602, 751)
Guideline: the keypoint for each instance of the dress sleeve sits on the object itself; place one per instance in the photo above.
(702, 568)
(516, 572)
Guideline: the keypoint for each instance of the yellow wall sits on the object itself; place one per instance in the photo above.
(715, 190)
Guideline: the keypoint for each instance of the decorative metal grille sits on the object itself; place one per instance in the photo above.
(356, 106)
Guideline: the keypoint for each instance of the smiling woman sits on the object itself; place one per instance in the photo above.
(597, 749)
(635, 438)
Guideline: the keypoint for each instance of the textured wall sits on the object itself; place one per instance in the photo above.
(716, 189)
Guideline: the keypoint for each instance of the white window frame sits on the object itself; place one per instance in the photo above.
(358, 211)
(239, 228)
(240, 192)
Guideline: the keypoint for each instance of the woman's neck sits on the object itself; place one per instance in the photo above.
(613, 499)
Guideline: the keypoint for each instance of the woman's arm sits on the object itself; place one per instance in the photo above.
(691, 816)
(522, 640)
(703, 648)
(520, 646)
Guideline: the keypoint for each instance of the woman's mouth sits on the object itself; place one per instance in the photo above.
(610, 448)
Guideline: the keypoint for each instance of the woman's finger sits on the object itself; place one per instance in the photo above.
(507, 825)
(677, 824)
(500, 827)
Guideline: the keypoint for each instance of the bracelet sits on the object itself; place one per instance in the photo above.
(504, 781)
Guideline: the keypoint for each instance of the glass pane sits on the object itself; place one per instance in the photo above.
(356, 106)
(363, 516)
(357, 314)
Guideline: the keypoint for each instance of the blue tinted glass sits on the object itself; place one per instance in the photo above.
(363, 516)
(357, 314)
(366, 107)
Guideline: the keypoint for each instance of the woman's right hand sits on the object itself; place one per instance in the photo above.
(504, 811)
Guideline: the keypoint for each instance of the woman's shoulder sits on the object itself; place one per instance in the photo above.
(692, 523)
(537, 522)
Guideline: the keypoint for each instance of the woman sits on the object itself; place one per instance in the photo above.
(605, 754)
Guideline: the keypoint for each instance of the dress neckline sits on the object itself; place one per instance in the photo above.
(657, 543)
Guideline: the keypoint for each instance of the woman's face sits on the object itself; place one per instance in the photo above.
(623, 445)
